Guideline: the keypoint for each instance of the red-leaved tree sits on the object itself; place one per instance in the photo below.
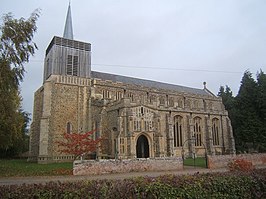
(78, 144)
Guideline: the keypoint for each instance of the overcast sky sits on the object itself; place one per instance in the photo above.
(184, 42)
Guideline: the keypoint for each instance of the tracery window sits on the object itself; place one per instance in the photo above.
(198, 131)
(178, 131)
(215, 131)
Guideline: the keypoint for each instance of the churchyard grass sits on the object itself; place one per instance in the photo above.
(199, 162)
(20, 167)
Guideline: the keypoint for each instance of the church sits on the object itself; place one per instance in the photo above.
(136, 118)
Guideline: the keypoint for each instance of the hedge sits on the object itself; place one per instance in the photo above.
(210, 185)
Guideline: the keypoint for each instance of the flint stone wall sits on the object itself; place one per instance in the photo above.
(215, 162)
(95, 167)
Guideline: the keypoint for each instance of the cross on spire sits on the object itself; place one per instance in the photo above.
(68, 32)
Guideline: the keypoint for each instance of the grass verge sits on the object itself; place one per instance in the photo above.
(21, 167)
(199, 162)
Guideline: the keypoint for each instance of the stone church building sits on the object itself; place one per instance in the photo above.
(136, 118)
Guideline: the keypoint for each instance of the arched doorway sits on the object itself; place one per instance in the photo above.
(142, 147)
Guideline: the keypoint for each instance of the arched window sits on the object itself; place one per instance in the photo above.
(178, 131)
(198, 131)
(69, 127)
(215, 131)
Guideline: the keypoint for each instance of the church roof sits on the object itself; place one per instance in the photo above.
(148, 83)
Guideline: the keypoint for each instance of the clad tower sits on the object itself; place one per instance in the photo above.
(66, 56)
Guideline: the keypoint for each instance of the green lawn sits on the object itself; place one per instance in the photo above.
(24, 168)
(199, 162)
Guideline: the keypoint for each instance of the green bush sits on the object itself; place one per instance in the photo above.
(211, 185)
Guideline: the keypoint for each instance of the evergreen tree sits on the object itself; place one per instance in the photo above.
(16, 46)
(247, 112)
(247, 123)
(261, 81)
(227, 97)
(229, 102)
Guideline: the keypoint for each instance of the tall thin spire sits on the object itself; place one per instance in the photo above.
(68, 32)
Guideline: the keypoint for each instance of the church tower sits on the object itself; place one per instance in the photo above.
(61, 103)
(66, 56)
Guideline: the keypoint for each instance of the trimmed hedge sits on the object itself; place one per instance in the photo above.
(210, 185)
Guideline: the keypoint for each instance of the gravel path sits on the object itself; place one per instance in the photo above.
(45, 179)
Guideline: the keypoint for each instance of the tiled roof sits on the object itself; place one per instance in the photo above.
(147, 83)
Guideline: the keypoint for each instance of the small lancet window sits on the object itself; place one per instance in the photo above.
(69, 127)
(142, 111)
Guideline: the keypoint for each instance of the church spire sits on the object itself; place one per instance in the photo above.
(68, 32)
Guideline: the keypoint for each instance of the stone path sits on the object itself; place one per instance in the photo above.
(45, 179)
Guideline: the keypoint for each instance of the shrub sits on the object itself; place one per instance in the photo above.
(246, 185)
(240, 165)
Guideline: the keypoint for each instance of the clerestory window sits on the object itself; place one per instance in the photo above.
(106, 94)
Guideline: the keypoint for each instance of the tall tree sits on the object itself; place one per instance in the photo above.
(247, 123)
(229, 102)
(227, 97)
(261, 81)
(247, 112)
(16, 46)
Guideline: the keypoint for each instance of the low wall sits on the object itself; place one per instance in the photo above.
(221, 161)
(93, 167)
